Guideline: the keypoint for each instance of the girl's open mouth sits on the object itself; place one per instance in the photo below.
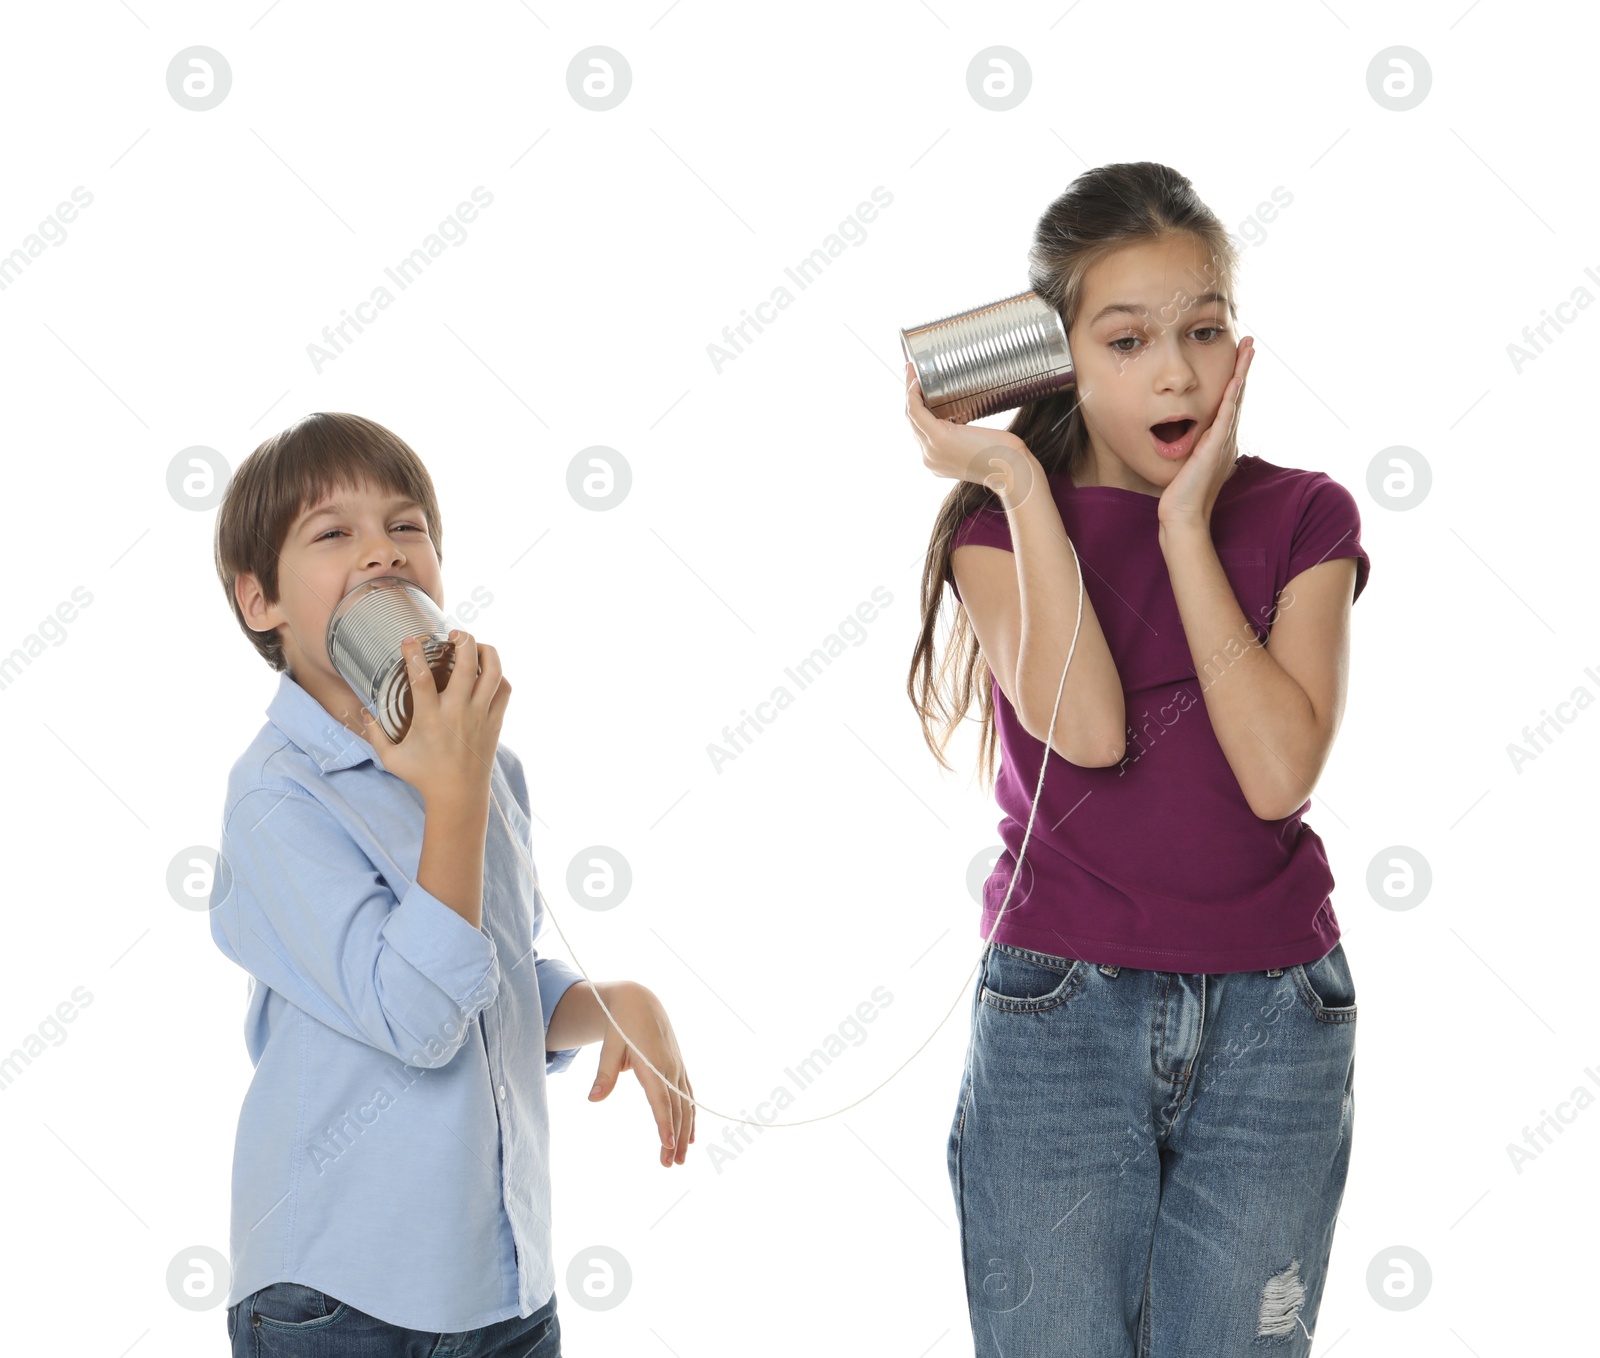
(1176, 438)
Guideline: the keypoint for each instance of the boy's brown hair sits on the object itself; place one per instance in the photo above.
(292, 471)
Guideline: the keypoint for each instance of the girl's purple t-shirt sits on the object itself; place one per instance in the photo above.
(1158, 862)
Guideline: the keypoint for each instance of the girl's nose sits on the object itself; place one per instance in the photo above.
(1174, 370)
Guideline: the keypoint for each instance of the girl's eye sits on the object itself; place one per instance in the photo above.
(1215, 331)
(413, 527)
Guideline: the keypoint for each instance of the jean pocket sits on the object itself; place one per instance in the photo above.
(1022, 981)
(1327, 988)
(295, 1306)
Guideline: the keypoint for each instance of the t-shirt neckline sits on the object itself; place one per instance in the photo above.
(1245, 461)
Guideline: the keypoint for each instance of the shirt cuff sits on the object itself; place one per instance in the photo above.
(556, 976)
(440, 944)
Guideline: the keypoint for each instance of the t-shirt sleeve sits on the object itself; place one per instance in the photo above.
(986, 526)
(1328, 527)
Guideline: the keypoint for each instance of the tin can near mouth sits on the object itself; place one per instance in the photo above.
(365, 632)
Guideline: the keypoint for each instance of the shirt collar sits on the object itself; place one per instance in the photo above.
(312, 728)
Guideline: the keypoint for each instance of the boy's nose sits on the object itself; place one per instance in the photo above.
(382, 551)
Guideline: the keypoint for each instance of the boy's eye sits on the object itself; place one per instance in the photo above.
(413, 527)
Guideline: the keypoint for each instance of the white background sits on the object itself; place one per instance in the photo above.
(768, 501)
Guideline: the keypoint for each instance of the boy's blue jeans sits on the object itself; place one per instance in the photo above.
(1149, 1164)
(291, 1320)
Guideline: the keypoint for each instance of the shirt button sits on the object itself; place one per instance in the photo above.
(502, 1091)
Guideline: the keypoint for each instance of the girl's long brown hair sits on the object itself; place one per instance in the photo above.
(1101, 211)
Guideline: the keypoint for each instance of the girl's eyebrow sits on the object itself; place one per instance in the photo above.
(1135, 309)
(339, 507)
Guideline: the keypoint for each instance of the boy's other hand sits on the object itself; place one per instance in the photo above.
(643, 1018)
(448, 752)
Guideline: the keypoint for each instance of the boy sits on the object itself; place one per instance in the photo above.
(391, 1182)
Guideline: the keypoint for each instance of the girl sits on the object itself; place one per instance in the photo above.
(1150, 1143)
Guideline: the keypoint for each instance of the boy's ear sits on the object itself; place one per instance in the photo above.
(252, 601)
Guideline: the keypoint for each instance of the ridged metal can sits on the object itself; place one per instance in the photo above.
(994, 357)
(365, 633)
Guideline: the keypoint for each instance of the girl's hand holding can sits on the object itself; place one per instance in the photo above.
(995, 458)
(449, 749)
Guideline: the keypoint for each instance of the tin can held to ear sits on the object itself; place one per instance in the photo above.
(994, 357)
(365, 632)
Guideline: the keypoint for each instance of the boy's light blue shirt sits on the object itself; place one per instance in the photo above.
(393, 1145)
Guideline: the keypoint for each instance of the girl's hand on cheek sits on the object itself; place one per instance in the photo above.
(1193, 491)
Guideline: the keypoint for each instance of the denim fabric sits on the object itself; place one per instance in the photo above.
(291, 1320)
(1149, 1164)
